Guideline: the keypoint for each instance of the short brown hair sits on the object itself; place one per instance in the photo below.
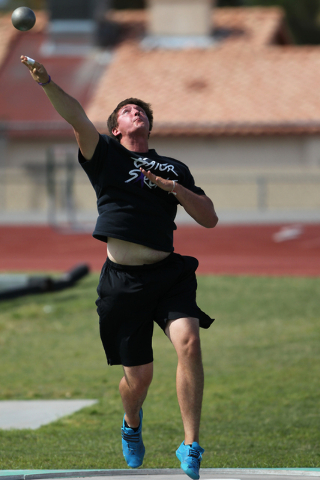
(113, 119)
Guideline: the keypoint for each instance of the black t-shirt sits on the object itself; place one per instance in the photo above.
(130, 206)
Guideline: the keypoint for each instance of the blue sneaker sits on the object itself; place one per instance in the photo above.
(132, 444)
(190, 458)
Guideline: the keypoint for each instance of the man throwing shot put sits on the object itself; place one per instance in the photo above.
(142, 280)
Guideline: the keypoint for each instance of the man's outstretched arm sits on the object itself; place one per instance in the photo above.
(199, 207)
(68, 108)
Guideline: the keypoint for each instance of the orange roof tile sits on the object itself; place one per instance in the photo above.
(255, 27)
(24, 109)
(215, 88)
(7, 33)
(242, 85)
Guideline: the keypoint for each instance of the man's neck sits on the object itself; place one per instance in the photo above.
(135, 144)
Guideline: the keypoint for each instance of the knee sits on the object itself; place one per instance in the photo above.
(143, 382)
(140, 380)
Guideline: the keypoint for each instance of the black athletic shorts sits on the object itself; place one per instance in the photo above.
(131, 298)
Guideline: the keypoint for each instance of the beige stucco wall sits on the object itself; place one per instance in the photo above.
(34, 151)
(261, 153)
(247, 153)
(242, 174)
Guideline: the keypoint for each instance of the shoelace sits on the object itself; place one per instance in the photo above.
(196, 456)
(132, 438)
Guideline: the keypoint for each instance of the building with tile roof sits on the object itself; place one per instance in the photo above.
(245, 104)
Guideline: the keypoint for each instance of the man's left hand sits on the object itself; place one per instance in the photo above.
(199, 207)
(163, 183)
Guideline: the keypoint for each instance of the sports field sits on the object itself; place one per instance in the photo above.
(262, 370)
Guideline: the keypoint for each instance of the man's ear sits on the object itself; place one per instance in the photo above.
(115, 131)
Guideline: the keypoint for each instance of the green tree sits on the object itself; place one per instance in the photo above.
(120, 4)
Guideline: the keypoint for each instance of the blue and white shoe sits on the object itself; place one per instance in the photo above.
(190, 457)
(132, 444)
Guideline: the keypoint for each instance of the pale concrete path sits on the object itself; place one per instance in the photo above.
(20, 414)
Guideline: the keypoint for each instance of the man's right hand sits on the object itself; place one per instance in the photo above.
(37, 70)
(68, 108)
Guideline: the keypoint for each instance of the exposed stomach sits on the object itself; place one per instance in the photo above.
(128, 253)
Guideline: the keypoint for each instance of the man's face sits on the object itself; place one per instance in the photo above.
(132, 119)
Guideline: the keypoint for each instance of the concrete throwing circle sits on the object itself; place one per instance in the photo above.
(165, 474)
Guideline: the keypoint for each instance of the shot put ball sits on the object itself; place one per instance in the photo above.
(23, 19)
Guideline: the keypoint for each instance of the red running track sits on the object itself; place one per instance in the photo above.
(232, 250)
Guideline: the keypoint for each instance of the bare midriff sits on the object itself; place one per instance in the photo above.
(128, 253)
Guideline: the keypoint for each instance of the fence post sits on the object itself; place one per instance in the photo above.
(51, 186)
(262, 193)
(70, 168)
(3, 166)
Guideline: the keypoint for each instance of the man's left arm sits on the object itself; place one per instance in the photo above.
(199, 207)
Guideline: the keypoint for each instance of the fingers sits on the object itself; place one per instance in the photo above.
(159, 181)
(30, 63)
(27, 60)
(147, 174)
(36, 69)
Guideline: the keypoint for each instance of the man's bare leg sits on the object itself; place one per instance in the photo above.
(133, 390)
(184, 334)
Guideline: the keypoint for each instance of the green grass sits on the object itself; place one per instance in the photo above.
(262, 369)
